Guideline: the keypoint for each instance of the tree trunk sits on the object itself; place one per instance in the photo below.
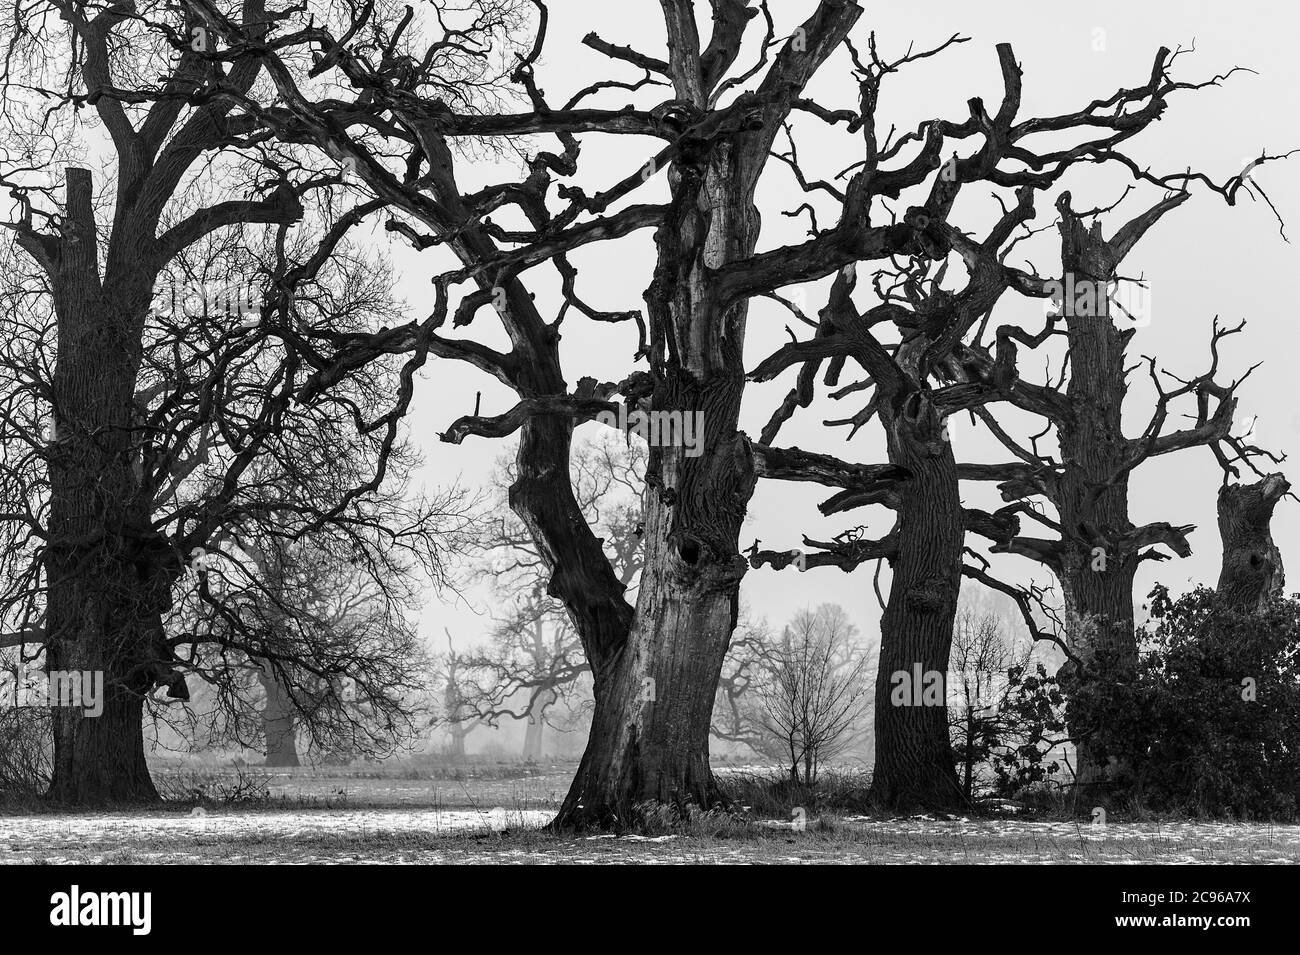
(533, 739)
(536, 723)
(654, 698)
(654, 695)
(278, 723)
(656, 670)
(1252, 564)
(456, 744)
(913, 762)
(646, 747)
(968, 768)
(1097, 568)
(109, 575)
(100, 761)
(535, 730)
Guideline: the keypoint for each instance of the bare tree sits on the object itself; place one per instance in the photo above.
(456, 717)
(697, 306)
(153, 430)
(532, 671)
(982, 653)
(301, 639)
(816, 690)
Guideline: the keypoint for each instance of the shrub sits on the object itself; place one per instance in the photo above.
(1211, 722)
(1029, 725)
(26, 753)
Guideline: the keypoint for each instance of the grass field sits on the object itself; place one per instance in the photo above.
(491, 817)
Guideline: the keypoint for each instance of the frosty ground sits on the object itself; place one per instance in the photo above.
(409, 836)
(316, 818)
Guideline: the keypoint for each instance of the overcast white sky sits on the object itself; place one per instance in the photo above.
(1205, 259)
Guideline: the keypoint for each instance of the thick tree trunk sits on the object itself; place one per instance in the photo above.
(654, 695)
(1097, 568)
(648, 745)
(278, 724)
(1252, 564)
(100, 761)
(913, 761)
(109, 576)
(654, 698)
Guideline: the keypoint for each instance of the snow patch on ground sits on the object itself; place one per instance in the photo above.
(399, 836)
(52, 838)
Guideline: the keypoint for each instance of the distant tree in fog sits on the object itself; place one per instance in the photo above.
(298, 643)
(816, 689)
(532, 669)
(738, 715)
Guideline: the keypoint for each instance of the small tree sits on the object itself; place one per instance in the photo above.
(1006, 714)
(817, 691)
(25, 750)
(977, 688)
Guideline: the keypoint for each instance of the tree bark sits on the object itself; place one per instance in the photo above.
(109, 574)
(1252, 564)
(654, 695)
(1097, 571)
(649, 745)
(913, 760)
